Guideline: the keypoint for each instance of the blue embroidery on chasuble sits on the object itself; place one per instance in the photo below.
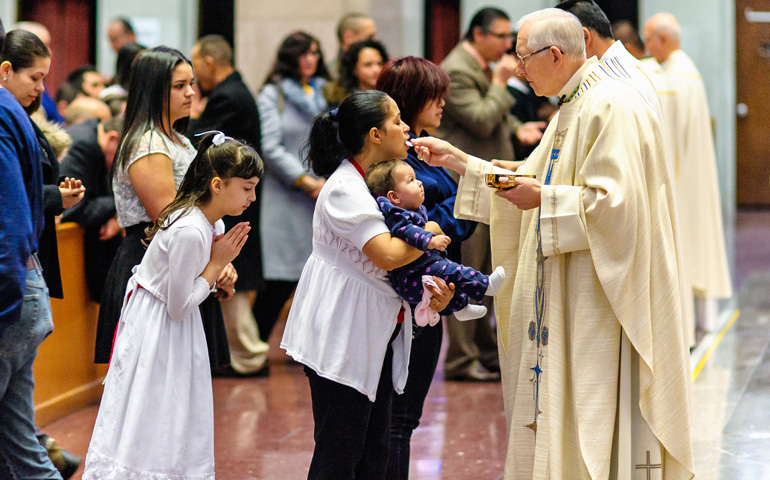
(538, 330)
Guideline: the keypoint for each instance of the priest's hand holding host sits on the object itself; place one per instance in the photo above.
(438, 153)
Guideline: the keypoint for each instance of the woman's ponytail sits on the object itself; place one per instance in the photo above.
(342, 132)
(323, 151)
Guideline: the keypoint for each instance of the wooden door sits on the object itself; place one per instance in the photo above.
(752, 30)
(442, 28)
(72, 24)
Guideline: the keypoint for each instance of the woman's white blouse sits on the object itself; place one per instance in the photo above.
(344, 311)
(130, 209)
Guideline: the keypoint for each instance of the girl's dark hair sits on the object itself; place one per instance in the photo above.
(341, 133)
(412, 82)
(228, 160)
(126, 56)
(148, 99)
(379, 177)
(347, 76)
(287, 60)
(22, 49)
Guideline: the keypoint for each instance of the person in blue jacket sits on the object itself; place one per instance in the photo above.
(25, 311)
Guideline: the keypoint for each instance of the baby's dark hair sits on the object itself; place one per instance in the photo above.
(379, 177)
(342, 133)
(226, 160)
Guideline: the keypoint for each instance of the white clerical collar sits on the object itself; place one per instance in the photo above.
(568, 90)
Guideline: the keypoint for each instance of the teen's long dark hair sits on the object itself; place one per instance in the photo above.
(22, 49)
(228, 160)
(148, 100)
(341, 133)
(287, 60)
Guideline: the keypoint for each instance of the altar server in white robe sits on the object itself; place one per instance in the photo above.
(601, 43)
(695, 170)
(595, 375)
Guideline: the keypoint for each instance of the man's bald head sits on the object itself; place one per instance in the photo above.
(662, 36)
(84, 108)
(38, 29)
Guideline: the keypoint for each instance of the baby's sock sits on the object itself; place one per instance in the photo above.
(471, 312)
(495, 281)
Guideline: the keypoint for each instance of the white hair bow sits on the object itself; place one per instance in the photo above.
(219, 137)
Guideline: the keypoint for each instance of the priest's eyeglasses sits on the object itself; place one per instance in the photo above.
(523, 58)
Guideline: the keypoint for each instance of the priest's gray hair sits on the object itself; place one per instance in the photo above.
(666, 23)
(554, 27)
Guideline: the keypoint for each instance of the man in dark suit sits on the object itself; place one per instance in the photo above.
(225, 104)
(90, 159)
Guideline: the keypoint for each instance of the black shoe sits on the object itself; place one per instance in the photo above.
(65, 462)
(474, 373)
(229, 372)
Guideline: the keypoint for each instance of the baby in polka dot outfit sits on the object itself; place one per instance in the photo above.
(400, 196)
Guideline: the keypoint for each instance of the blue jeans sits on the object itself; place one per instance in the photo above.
(21, 456)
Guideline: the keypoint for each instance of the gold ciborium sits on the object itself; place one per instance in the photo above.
(495, 180)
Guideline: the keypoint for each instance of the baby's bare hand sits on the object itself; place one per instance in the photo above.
(439, 242)
(433, 227)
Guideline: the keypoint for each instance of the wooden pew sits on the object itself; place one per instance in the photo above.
(66, 378)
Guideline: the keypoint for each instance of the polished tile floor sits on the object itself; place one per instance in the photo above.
(264, 426)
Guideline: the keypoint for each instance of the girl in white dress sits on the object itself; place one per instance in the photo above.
(156, 418)
(343, 324)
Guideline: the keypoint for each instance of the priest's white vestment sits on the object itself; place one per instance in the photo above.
(666, 96)
(642, 80)
(696, 181)
(589, 327)
(637, 76)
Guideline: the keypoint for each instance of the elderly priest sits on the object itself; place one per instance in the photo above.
(595, 373)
